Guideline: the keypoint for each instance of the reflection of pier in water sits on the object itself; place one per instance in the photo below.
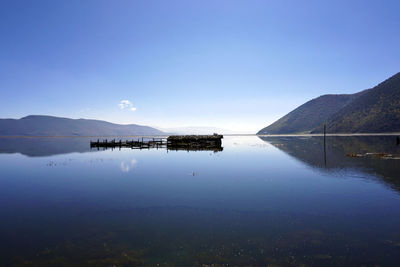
(185, 142)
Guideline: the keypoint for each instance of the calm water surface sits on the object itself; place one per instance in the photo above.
(269, 200)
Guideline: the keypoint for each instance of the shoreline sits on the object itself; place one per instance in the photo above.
(332, 134)
(153, 136)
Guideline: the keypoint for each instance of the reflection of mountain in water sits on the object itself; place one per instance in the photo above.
(310, 150)
(46, 146)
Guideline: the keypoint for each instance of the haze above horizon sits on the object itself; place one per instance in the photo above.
(237, 65)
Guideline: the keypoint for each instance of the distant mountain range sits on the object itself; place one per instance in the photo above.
(197, 130)
(36, 125)
(370, 111)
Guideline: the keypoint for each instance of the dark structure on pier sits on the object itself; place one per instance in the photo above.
(173, 142)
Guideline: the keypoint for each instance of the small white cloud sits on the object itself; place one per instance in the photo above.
(123, 104)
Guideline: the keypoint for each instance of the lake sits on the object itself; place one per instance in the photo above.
(279, 201)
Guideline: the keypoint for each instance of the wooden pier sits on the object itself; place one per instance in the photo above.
(140, 143)
(173, 142)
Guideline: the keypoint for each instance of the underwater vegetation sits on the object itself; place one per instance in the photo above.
(90, 252)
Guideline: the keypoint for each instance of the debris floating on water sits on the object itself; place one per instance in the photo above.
(376, 155)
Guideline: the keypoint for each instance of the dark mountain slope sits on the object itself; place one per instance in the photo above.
(310, 115)
(378, 110)
(36, 125)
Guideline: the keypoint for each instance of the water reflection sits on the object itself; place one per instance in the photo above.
(260, 202)
(310, 150)
(44, 146)
(49, 146)
(127, 166)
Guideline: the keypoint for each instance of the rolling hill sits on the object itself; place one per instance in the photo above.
(309, 115)
(37, 125)
(376, 111)
(369, 111)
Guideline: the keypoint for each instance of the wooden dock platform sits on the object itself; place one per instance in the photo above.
(173, 142)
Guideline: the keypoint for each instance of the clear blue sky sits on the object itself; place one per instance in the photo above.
(231, 64)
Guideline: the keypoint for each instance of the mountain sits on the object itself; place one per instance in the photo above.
(372, 110)
(378, 110)
(309, 115)
(197, 130)
(36, 125)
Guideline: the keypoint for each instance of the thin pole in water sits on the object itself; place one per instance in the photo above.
(325, 144)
